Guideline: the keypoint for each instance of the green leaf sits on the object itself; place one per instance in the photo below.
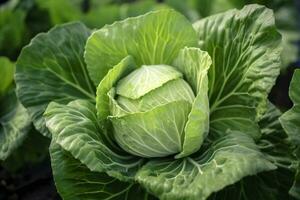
(269, 123)
(151, 39)
(117, 72)
(145, 79)
(225, 162)
(287, 22)
(187, 7)
(290, 121)
(194, 64)
(210, 7)
(295, 190)
(290, 49)
(7, 70)
(147, 135)
(245, 49)
(33, 149)
(274, 142)
(99, 15)
(14, 124)
(61, 11)
(270, 185)
(76, 129)
(56, 73)
(12, 28)
(74, 181)
(106, 12)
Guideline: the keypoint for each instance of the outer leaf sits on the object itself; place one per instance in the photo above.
(271, 185)
(280, 151)
(56, 73)
(7, 70)
(122, 69)
(33, 149)
(194, 64)
(155, 133)
(274, 141)
(245, 49)
(14, 124)
(267, 185)
(74, 181)
(290, 121)
(76, 129)
(229, 159)
(151, 39)
(295, 190)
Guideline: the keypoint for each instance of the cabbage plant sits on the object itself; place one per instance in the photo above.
(156, 107)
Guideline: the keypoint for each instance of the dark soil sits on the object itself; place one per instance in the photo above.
(35, 183)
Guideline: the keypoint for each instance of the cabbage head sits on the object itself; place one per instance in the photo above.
(155, 107)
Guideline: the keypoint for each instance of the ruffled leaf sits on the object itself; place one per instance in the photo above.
(76, 129)
(290, 121)
(74, 181)
(245, 49)
(153, 38)
(56, 73)
(225, 162)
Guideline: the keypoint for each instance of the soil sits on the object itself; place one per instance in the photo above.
(35, 183)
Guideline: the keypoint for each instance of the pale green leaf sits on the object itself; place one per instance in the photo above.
(56, 73)
(151, 39)
(145, 79)
(76, 129)
(245, 49)
(155, 133)
(114, 107)
(122, 69)
(175, 90)
(225, 162)
(74, 181)
(194, 64)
